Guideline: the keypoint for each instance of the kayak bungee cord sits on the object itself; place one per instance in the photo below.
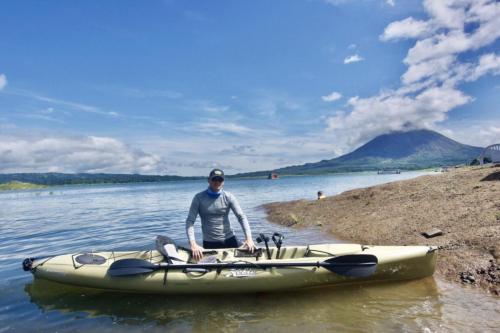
(27, 263)
(320, 251)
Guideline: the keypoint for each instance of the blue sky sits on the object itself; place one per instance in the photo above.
(179, 87)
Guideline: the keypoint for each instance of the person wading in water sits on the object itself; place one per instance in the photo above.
(213, 205)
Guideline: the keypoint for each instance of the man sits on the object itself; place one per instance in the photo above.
(213, 206)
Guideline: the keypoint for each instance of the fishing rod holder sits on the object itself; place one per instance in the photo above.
(278, 241)
(265, 239)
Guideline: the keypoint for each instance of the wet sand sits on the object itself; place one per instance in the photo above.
(463, 203)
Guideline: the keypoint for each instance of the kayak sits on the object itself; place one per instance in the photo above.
(236, 270)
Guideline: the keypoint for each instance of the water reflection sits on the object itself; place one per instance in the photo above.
(402, 306)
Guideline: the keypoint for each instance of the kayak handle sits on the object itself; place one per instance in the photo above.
(28, 264)
(196, 272)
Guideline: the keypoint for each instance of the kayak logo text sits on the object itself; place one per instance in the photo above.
(240, 273)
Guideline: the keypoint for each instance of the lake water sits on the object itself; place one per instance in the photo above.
(125, 217)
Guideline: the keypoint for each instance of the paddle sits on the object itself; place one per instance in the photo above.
(353, 265)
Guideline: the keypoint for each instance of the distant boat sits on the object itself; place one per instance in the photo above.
(273, 175)
(389, 172)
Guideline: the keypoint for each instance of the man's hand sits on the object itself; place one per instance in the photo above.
(249, 244)
(196, 251)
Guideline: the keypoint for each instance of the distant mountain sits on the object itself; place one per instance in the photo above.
(417, 149)
(54, 178)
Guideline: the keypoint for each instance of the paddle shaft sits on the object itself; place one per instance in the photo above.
(348, 265)
(254, 265)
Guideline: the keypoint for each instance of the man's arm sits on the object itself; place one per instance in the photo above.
(191, 218)
(242, 219)
(196, 250)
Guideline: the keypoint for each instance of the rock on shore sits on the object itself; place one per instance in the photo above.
(463, 203)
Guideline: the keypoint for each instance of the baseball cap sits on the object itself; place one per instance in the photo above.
(216, 173)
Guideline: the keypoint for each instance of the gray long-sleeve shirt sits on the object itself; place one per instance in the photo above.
(214, 214)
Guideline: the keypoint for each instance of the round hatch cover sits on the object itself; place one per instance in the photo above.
(90, 259)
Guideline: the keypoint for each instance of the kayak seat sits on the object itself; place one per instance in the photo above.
(167, 247)
(172, 255)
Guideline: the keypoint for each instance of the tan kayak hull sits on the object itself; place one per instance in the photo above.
(394, 263)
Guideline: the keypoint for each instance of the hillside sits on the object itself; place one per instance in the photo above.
(417, 149)
(53, 178)
(15, 185)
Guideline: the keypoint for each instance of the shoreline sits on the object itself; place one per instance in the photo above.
(463, 203)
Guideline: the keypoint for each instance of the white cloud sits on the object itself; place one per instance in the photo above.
(142, 93)
(3, 81)
(475, 132)
(80, 107)
(488, 63)
(448, 13)
(260, 150)
(353, 58)
(54, 153)
(223, 127)
(44, 117)
(270, 103)
(407, 28)
(486, 135)
(449, 37)
(216, 109)
(332, 97)
(428, 68)
(342, 2)
(390, 112)
(336, 2)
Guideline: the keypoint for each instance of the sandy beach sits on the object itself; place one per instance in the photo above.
(463, 203)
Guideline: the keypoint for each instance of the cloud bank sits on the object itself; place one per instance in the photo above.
(334, 96)
(73, 154)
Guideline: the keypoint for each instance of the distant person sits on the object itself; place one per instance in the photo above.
(213, 205)
(321, 195)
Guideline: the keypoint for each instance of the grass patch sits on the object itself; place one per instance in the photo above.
(15, 185)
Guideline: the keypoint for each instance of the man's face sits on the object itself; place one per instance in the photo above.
(216, 183)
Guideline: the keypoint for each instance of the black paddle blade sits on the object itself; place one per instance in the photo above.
(353, 265)
(126, 267)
